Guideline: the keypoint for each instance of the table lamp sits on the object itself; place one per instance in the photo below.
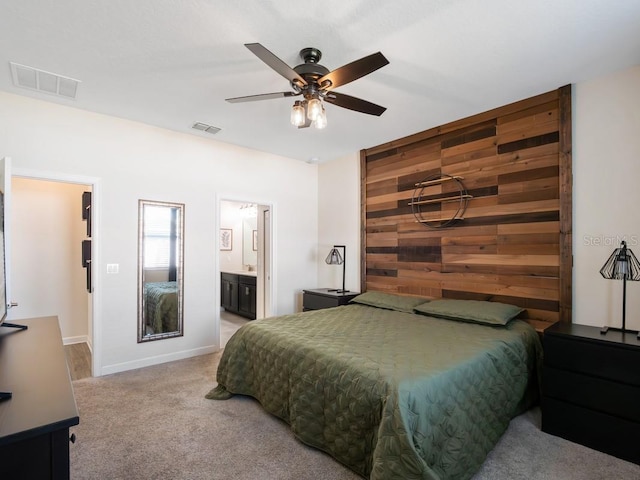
(334, 258)
(621, 265)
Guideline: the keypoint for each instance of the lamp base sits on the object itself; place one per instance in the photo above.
(342, 291)
(605, 329)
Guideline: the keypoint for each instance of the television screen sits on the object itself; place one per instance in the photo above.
(3, 279)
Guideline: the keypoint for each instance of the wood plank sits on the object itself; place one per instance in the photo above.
(494, 289)
(529, 142)
(530, 196)
(466, 148)
(532, 131)
(542, 109)
(471, 158)
(545, 317)
(566, 216)
(512, 208)
(528, 228)
(524, 271)
(528, 185)
(476, 240)
(410, 270)
(426, 152)
(530, 238)
(412, 168)
(521, 259)
(533, 249)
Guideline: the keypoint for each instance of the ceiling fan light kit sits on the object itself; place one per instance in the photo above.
(316, 83)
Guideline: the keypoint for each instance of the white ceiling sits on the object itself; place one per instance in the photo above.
(171, 63)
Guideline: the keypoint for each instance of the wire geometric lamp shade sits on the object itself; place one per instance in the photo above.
(334, 258)
(623, 265)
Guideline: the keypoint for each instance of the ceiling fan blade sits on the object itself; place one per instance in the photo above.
(354, 70)
(275, 63)
(263, 96)
(353, 103)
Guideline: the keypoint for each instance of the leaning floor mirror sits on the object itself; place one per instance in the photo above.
(160, 269)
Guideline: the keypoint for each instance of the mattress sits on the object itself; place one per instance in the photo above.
(391, 395)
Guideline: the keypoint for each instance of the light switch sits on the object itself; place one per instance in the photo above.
(113, 267)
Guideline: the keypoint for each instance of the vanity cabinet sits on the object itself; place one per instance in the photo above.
(247, 296)
(238, 294)
(229, 292)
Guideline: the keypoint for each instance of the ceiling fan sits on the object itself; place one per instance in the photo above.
(316, 83)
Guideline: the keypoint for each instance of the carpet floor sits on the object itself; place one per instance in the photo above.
(154, 423)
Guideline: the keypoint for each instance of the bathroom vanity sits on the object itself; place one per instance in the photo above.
(238, 293)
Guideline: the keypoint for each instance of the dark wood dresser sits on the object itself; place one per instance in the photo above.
(591, 388)
(319, 298)
(34, 423)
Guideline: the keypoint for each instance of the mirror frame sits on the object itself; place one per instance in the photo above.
(142, 337)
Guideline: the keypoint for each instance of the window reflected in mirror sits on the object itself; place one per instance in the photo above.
(160, 267)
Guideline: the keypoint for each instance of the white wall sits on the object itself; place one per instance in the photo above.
(47, 277)
(606, 194)
(134, 161)
(339, 220)
(231, 260)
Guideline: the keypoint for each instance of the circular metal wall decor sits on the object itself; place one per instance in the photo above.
(422, 205)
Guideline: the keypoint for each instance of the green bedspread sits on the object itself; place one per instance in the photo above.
(391, 395)
(161, 306)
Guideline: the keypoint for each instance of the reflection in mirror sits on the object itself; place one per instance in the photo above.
(160, 264)
(250, 242)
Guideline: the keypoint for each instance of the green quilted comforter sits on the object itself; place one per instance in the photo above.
(161, 306)
(391, 395)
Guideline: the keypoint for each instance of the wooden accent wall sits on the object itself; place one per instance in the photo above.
(514, 243)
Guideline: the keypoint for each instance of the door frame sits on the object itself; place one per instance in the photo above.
(96, 318)
(270, 254)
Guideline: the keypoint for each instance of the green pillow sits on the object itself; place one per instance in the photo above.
(390, 301)
(476, 311)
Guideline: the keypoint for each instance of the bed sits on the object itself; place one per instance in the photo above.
(390, 392)
(161, 306)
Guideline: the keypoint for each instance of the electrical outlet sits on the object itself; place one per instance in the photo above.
(113, 267)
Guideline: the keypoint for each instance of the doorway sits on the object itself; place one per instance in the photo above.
(244, 257)
(49, 267)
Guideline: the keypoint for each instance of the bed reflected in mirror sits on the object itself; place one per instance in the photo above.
(160, 267)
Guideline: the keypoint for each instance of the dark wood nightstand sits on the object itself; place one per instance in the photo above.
(591, 388)
(318, 298)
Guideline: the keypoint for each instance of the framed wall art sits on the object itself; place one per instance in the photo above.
(226, 239)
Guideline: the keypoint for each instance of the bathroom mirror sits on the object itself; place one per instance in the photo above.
(250, 241)
(160, 267)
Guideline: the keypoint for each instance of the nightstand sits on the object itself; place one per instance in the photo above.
(319, 298)
(591, 388)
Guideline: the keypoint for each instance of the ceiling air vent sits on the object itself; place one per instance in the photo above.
(206, 128)
(41, 81)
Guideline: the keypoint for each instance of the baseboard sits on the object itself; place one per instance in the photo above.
(72, 340)
(156, 360)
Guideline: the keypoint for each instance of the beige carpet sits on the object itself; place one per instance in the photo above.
(154, 423)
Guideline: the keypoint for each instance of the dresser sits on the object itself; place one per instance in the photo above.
(318, 298)
(35, 422)
(591, 388)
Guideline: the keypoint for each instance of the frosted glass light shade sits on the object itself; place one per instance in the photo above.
(321, 120)
(297, 114)
(314, 108)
